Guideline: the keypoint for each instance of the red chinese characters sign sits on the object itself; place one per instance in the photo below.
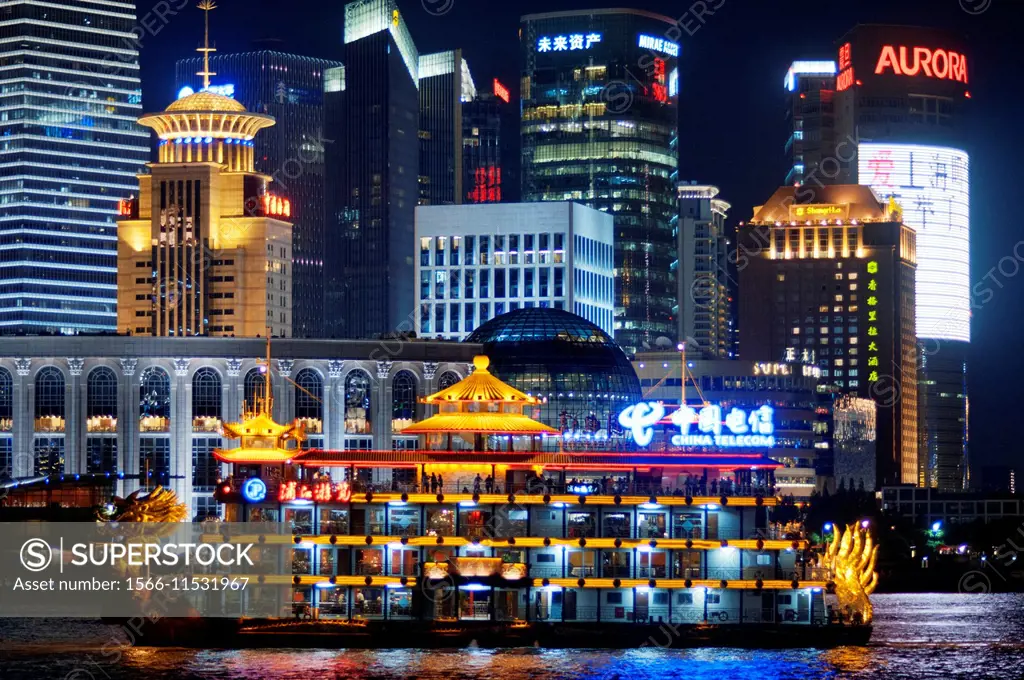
(922, 61)
(501, 92)
(320, 492)
(845, 78)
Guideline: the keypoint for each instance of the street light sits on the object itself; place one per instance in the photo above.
(937, 526)
(827, 527)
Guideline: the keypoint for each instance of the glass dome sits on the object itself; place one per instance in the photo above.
(575, 366)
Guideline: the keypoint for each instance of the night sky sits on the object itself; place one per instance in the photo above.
(732, 127)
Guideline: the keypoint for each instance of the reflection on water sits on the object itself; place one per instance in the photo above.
(916, 636)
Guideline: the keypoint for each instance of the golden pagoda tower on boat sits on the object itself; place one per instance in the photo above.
(480, 406)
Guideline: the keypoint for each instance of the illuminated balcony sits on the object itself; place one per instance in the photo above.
(480, 567)
(312, 425)
(205, 424)
(154, 424)
(49, 424)
(101, 424)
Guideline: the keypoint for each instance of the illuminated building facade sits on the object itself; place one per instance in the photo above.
(900, 119)
(70, 149)
(477, 262)
(206, 248)
(802, 409)
(445, 84)
(373, 170)
(150, 411)
(484, 172)
(836, 278)
(599, 126)
(702, 270)
(290, 88)
(811, 116)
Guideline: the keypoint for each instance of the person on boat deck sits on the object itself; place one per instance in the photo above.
(440, 483)
(489, 484)
(360, 600)
(477, 481)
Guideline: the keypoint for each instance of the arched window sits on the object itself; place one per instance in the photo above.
(447, 379)
(255, 381)
(155, 398)
(101, 400)
(50, 411)
(207, 400)
(403, 400)
(6, 401)
(309, 397)
(357, 403)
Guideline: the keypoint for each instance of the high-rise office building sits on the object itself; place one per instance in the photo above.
(373, 170)
(702, 273)
(834, 280)
(811, 86)
(599, 126)
(70, 150)
(477, 262)
(900, 124)
(290, 88)
(484, 169)
(206, 248)
(445, 84)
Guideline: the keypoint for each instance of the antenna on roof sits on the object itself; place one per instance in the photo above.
(207, 6)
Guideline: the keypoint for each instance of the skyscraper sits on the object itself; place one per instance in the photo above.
(445, 83)
(599, 126)
(702, 272)
(811, 116)
(834, 280)
(900, 112)
(70, 150)
(206, 249)
(485, 175)
(373, 171)
(290, 88)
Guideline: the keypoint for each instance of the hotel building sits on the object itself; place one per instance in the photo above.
(836, 278)
(899, 114)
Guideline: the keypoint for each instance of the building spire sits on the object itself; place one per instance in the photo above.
(207, 6)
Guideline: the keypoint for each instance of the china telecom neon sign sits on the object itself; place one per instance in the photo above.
(733, 429)
(912, 61)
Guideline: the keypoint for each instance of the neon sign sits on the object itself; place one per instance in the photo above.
(844, 80)
(941, 64)
(649, 42)
(640, 419)
(501, 92)
(223, 90)
(736, 428)
(320, 492)
(275, 206)
(567, 43)
(254, 490)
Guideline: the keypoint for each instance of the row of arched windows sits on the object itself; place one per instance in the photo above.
(207, 398)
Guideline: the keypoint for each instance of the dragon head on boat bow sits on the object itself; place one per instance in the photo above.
(851, 559)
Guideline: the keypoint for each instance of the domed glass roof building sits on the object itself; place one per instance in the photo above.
(583, 376)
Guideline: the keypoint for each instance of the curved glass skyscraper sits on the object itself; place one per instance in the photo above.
(599, 126)
(69, 152)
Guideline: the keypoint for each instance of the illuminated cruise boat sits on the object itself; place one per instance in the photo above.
(484, 533)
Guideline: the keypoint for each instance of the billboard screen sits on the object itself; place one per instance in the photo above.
(931, 184)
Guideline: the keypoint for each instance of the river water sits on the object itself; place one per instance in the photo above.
(916, 636)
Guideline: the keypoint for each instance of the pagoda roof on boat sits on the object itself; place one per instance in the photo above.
(483, 422)
(573, 460)
(480, 386)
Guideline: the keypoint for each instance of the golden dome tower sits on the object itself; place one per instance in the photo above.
(206, 127)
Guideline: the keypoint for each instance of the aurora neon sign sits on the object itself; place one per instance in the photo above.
(711, 425)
